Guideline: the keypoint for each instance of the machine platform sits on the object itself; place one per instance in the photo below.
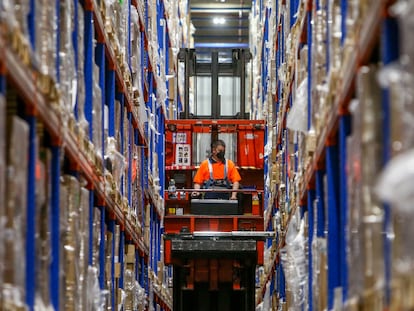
(215, 207)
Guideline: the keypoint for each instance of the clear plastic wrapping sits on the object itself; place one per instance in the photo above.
(43, 231)
(118, 292)
(115, 162)
(83, 257)
(297, 118)
(399, 79)
(96, 297)
(294, 262)
(368, 92)
(335, 36)
(395, 182)
(82, 122)
(172, 21)
(353, 17)
(96, 237)
(137, 194)
(2, 185)
(67, 70)
(135, 57)
(123, 32)
(128, 134)
(74, 240)
(14, 13)
(69, 263)
(394, 185)
(355, 247)
(371, 152)
(6, 12)
(319, 68)
(111, 19)
(319, 273)
(302, 64)
(404, 10)
(118, 107)
(21, 11)
(14, 277)
(108, 270)
(46, 36)
(135, 295)
(364, 156)
(115, 15)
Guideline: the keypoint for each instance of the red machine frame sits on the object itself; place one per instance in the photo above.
(250, 137)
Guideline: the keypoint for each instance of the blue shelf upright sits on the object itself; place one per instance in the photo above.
(120, 101)
(344, 12)
(309, 42)
(141, 268)
(161, 149)
(102, 247)
(265, 53)
(153, 234)
(333, 221)
(311, 194)
(88, 108)
(281, 282)
(75, 49)
(131, 140)
(88, 68)
(2, 82)
(31, 22)
(293, 9)
(91, 236)
(31, 215)
(320, 205)
(344, 132)
(109, 91)
(121, 255)
(111, 228)
(100, 61)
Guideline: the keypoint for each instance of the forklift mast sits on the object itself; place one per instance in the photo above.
(220, 70)
(214, 246)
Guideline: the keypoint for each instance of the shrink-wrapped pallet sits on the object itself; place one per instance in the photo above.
(14, 277)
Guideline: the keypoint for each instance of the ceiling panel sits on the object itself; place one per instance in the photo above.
(234, 32)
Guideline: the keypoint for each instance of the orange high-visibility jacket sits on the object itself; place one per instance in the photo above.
(203, 173)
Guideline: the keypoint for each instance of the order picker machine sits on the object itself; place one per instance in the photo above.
(214, 245)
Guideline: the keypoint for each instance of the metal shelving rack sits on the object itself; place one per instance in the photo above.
(115, 83)
(326, 209)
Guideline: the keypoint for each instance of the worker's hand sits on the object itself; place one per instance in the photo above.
(233, 197)
(195, 194)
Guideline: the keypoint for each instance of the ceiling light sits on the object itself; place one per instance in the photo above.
(219, 20)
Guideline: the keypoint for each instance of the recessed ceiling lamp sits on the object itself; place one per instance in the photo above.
(219, 20)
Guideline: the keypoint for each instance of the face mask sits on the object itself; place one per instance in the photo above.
(220, 155)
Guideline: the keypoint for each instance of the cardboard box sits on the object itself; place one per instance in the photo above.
(130, 254)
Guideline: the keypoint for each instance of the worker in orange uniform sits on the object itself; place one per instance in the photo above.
(217, 172)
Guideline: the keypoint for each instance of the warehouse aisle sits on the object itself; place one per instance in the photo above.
(95, 105)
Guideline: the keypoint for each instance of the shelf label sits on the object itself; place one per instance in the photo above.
(182, 154)
(181, 138)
